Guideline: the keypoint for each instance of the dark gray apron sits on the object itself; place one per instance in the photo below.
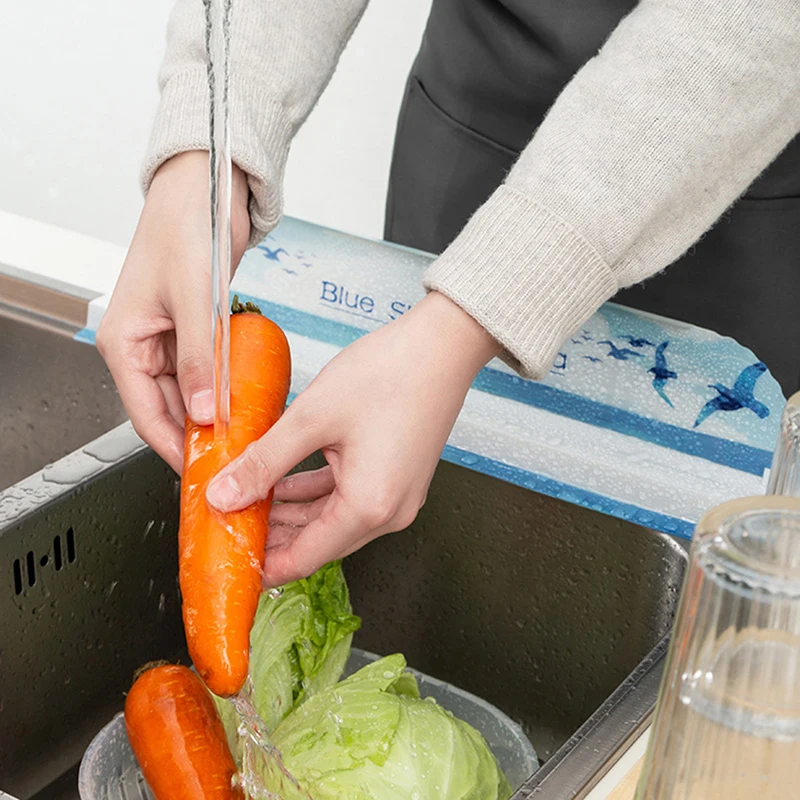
(486, 74)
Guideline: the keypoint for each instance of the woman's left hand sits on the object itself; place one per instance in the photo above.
(381, 412)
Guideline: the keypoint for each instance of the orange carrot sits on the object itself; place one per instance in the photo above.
(220, 555)
(178, 738)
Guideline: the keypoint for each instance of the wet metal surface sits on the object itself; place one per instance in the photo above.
(55, 395)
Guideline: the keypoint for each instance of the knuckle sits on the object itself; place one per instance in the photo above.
(192, 365)
(379, 510)
(259, 464)
(405, 517)
(305, 421)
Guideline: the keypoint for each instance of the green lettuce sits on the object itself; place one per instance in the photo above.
(371, 737)
(299, 644)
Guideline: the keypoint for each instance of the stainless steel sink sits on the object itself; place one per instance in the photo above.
(556, 614)
(55, 393)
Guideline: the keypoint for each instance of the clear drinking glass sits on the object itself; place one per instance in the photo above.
(727, 724)
(784, 477)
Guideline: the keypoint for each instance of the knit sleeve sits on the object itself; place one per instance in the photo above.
(283, 53)
(684, 106)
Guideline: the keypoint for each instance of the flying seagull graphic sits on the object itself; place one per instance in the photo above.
(662, 373)
(620, 354)
(741, 396)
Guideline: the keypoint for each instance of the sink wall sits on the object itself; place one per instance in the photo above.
(56, 395)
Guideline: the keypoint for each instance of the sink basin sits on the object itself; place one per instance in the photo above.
(57, 393)
(556, 614)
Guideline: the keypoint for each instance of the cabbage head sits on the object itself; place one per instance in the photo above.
(372, 737)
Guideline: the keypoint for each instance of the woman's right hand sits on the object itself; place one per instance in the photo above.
(156, 333)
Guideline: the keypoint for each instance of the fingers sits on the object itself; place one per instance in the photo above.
(280, 536)
(305, 486)
(321, 541)
(297, 514)
(194, 363)
(172, 394)
(150, 414)
(251, 476)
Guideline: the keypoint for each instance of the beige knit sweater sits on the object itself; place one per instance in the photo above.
(687, 102)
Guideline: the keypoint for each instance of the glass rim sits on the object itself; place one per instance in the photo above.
(722, 536)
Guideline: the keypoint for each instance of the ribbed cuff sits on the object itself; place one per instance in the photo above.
(525, 275)
(260, 139)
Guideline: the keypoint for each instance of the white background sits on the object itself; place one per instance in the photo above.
(78, 93)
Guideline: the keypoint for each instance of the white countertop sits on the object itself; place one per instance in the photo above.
(620, 769)
(42, 251)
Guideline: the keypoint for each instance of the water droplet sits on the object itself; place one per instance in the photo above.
(276, 593)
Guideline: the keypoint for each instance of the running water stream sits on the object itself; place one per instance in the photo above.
(261, 761)
(218, 36)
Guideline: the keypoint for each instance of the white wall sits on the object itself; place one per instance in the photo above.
(78, 91)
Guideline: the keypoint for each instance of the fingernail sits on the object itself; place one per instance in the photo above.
(201, 406)
(224, 492)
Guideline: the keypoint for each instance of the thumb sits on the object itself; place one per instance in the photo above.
(194, 363)
(251, 476)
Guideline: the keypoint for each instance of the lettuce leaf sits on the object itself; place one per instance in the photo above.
(300, 643)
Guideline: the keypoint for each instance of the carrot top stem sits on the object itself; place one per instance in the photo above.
(243, 308)
(148, 666)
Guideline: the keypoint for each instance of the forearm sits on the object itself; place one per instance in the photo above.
(648, 145)
(283, 53)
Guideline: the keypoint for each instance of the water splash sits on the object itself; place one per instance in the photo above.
(262, 764)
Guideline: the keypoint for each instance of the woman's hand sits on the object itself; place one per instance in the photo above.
(381, 412)
(156, 334)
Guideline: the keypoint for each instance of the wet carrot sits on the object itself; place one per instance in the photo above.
(177, 737)
(220, 555)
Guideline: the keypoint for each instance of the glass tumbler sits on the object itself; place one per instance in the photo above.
(727, 723)
(784, 477)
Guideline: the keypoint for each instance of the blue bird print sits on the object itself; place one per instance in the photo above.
(593, 359)
(661, 373)
(633, 342)
(620, 354)
(272, 255)
(289, 271)
(561, 361)
(741, 396)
